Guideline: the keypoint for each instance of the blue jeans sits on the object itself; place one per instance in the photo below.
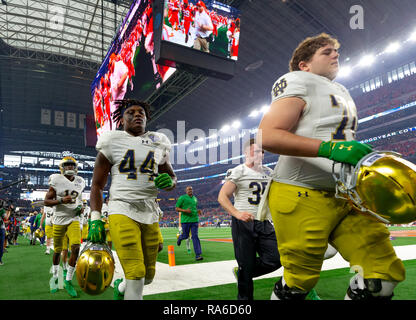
(2, 237)
(193, 227)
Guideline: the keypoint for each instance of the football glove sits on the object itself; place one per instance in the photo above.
(163, 181)
(78, 210)
(96, 232)
(345, 151)
(180, 229)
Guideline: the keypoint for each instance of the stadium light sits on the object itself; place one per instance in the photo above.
(367, 60)
(254, 113)
(344, 71)
(393, 47)
(413, 36)
(236, 124)
(265, 108)
(225, 128)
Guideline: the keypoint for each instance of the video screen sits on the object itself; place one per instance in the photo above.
(205, 25)
(129, 69)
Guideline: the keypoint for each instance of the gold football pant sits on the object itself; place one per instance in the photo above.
(306, 220)
(73, 232)
(136, 245)
(84, 232)
(49, 231)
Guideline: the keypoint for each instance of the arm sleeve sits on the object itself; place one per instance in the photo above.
(179, 203)
(166, 147)
(233, 175)
(104, 145)
(289, 85)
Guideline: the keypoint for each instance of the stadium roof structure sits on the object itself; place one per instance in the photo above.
(81, 29)
(50, 51)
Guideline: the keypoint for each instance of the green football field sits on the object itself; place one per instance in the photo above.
(25, 274)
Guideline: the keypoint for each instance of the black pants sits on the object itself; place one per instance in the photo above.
(249, 239)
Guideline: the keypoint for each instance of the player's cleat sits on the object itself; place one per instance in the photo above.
(117, 294)
(199, 258)
(312, 295)
(47, 251)
(53, 284)
(70, 289)
(179, 242)
(235, 273)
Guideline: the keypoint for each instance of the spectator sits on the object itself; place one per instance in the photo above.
(4, 216)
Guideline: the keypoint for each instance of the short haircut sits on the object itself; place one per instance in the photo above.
(307, 48)
(249, 143)
(123, 105)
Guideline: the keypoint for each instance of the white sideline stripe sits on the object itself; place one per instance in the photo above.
(206, 274)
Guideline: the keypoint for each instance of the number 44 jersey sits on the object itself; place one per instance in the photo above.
(251, 185)
(135, 162)
(329, 114)
(65, 213)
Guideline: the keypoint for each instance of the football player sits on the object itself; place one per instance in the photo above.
(85, 217)
(312, 122)
(139, 164)
(250, 237)
(47, 216)
(65, 194)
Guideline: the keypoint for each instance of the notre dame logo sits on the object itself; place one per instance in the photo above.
(279, 87)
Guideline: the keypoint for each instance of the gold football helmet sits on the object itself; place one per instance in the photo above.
(68, 161)
(39, 233)
(382, 184)
(95, 268)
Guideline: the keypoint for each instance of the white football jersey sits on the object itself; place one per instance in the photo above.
(329, 114)
(85, 215)
(135, 162)
(104, 211)
(49, 211)
(65, 212)
(251, 185)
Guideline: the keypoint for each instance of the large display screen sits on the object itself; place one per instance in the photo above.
(205, 25)
(129, 69)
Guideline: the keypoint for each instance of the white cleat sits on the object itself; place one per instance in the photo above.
(273, 296)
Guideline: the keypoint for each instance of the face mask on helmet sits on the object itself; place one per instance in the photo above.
(95, 268)
(382, 184)
(68, 161)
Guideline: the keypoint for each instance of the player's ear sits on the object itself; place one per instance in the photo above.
(303, 66)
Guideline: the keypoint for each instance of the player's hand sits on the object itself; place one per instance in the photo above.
(244, 216)
(180, 229)
(78, 210)
(163, 181)
(96, 232)
(67, 199)
(345, 151)
(188, 211)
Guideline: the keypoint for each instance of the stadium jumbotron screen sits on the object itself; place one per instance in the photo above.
(182, 21)
(132, 49)
(198, 36)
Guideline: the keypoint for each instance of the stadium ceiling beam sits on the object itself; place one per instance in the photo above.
(7, 51)
(178, 86)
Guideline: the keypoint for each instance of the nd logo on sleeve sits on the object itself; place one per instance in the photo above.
(279, 87)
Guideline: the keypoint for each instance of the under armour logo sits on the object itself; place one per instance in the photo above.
(304, 194)
(344, 147)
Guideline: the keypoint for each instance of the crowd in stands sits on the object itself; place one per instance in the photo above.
(386, 97)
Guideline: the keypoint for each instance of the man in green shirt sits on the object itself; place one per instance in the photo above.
(186, 204)
(37, 221)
